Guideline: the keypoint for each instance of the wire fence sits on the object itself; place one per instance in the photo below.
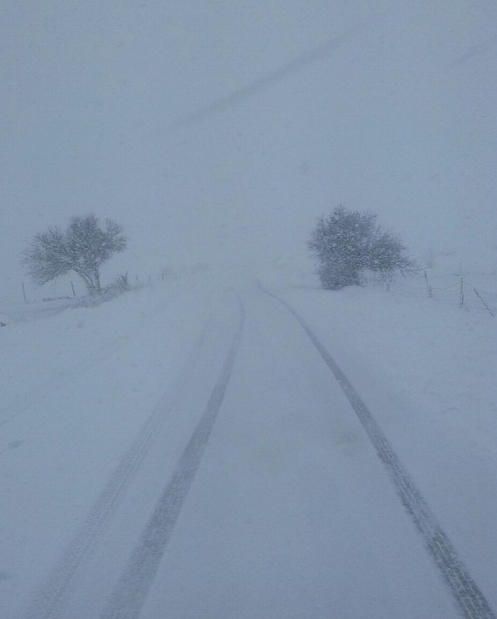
(64, 295)
(469, 291)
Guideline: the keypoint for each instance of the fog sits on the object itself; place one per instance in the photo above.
(217, 132)
(236, 428)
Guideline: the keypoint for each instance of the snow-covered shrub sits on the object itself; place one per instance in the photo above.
(82, 248)
(347, 243)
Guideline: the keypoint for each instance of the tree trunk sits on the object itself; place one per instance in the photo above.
(96, 279)
(89, 283)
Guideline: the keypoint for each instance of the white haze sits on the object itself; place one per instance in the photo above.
(271, 450)
(218, 131)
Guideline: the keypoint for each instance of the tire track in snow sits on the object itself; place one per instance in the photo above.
(131, 590)
(470, 600)
(48, 602)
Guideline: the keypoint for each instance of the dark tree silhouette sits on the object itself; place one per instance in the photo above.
(347, 243)
(82, 248)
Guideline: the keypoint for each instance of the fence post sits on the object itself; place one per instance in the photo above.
(429, 289)
(461, 292)
(24, 293)
(73, 291)
(484, 304)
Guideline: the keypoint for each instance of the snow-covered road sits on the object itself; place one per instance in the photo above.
(211, 466)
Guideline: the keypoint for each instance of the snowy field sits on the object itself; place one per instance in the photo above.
(288, 511)
(227, 440)
(17, 312)
(428, 372)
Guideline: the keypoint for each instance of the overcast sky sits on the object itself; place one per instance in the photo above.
(219, 130)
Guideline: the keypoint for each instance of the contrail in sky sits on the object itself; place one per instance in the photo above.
(475, 50)
(264, 82)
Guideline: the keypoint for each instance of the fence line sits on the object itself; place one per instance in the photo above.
(439, 288)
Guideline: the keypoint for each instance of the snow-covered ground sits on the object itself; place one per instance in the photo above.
(291, 513)
(17, 312)
(76, 388)
(428, 372)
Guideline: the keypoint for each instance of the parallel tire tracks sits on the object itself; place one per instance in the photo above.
(48, 602)
(471, 602)
(130, 593)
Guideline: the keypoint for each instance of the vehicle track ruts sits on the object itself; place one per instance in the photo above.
(471, 602)
(47, 603)
(130, 593)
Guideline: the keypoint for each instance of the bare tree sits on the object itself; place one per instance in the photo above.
(82, 248)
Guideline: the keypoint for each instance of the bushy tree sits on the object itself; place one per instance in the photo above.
(388, 255)
(347, 243)
(82, 248)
